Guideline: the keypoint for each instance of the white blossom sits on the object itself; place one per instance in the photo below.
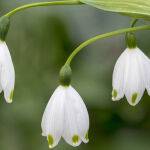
(7, 73)
(131, 76)
(65, 116)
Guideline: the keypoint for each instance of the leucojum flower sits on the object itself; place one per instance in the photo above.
(66, 114)
(131, 74)
(7, 73)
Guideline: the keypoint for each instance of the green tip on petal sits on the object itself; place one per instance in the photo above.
(11, 95)
(134, 97)
(50, 141)
(87, 137)
(75, 139)
(114, 93)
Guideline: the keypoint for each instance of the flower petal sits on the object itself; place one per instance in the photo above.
(0, 78)
(118, 77)
(7, 72)
(134, 80)
(53, 117)
(145, 67)
(76, 119)
(144, 64)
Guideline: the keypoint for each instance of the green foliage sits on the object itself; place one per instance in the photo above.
(134, 8)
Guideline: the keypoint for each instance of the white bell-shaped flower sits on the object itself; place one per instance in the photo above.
(131, 76)
(65, 116)
(7, 73)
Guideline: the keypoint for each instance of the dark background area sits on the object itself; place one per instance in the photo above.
(40, 40)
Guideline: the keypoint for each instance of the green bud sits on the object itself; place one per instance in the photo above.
(4, 26)
(131, 40)
(65, 75)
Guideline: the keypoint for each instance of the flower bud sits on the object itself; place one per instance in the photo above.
(4, 26)
(65, 75)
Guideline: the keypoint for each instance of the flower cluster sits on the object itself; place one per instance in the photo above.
(66, 114)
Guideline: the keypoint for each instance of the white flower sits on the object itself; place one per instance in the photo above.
(131, 76)
(65, 116)
(7, 74)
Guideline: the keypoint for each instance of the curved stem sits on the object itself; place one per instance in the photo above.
(134, 21)
(63, 2)
(102, 36)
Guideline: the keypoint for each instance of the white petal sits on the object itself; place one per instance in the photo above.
(0, 78)
(148, 79)
(145, 66)
(7, 72)
(118, 77)
(53, 117)
(134, 80)
(76, 118)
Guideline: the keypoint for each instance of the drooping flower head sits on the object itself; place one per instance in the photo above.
(131, 75)
(7, 73)
(65, 114)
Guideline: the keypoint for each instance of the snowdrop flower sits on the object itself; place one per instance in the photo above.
(65, 115)
(131, 74)
(7, 73)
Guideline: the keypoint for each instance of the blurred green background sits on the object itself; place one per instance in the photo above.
(40, 39)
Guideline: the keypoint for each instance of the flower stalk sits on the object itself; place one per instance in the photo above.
(102, 36)
(133, 23)
(64, 2)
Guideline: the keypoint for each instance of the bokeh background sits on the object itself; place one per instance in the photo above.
(40, 39)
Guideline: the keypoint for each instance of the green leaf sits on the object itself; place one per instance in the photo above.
(133, 8)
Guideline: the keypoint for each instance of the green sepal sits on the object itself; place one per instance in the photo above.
(4, 26)
(65, 75)
(131, 40)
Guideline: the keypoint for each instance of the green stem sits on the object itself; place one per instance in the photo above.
(64, 2)
(134, 21)
(102, 36)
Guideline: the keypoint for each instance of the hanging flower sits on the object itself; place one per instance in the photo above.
(7, 73)
(131, 74)
(65, 116)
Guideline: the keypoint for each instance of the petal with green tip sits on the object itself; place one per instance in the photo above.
(50, 141)
(7, 72)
